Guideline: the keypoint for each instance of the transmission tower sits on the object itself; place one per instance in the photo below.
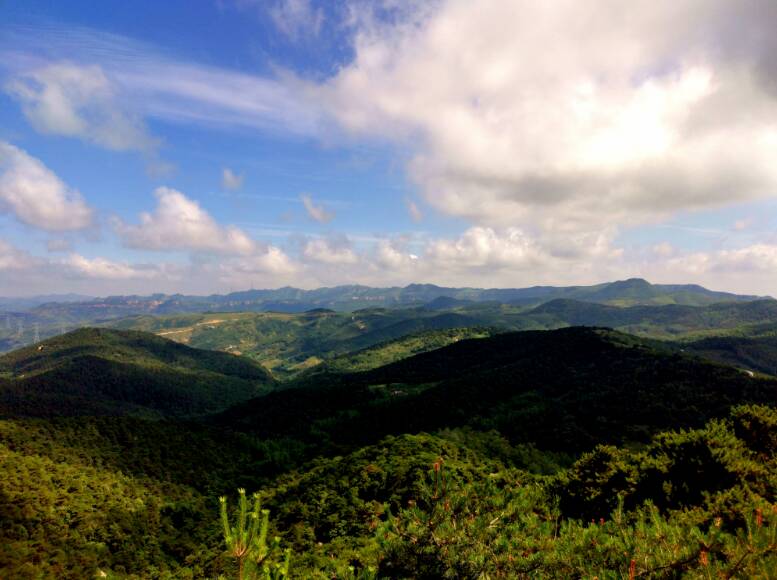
(36, 335)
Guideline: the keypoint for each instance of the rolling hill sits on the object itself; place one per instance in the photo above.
(563, 390)
(289, 343)
(292, 343)
(20, 319)
(343, 456)
(111, 372)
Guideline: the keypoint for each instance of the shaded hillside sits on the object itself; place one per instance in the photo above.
(757, 354)
(565, 390)
(100, 371)
(657, 321)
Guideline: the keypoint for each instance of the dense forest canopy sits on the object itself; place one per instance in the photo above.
(461, 452)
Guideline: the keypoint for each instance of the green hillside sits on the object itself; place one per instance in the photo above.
(130, 498)
(393, 350)
(100, 371)
(21, 321)
(511, 454)
(291, 343)
(671, 321)
(564, 390)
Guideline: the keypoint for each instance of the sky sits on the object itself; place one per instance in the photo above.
(214, 145)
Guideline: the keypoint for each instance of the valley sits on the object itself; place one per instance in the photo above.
(117, 439)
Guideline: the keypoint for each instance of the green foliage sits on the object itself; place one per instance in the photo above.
(401, 348)
(564, 391)
(109, 372)
(715, 471)
(135, 498)
(247, 543)
(497, 529)
(754, 352)
(534, 435)
(290, 344)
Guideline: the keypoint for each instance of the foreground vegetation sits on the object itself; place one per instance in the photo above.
(423, 506)
(573, 453)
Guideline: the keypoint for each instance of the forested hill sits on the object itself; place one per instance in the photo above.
(110, 372)
(564, 390)
(673, 320)
(520, 422)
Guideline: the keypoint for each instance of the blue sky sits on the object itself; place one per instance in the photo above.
(213, 145)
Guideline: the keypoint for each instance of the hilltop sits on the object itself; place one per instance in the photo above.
(101, 371)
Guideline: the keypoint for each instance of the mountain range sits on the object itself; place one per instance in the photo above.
(413, 308)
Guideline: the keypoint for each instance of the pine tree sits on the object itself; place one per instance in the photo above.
(247, 541)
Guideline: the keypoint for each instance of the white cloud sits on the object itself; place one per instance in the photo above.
(36, 196)
(79, 101)
(297, 18)
(99, 268)
(231, 180)
(28, 274)
(179, 223)
(316, 212)
(267, 267)
(145, 82)
(482, 247)
(12, 258)
(570, 116)
(329, 251)
(664, 250)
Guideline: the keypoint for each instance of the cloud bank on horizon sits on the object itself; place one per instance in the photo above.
(457, 142)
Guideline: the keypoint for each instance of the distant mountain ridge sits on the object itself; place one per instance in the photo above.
(26, 325)
(634, 291)
(353, 297)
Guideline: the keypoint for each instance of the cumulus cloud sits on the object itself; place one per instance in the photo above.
(267, 267)
(481, 247)
(79, 101)
(329, 251)
(569, 116)
(179, 223)
(316, 212)
(36, 196)
(231, 180)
